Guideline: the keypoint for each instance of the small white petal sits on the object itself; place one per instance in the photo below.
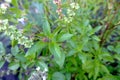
(45, 69)
(44, 77)
(38, 68)
(22, 20)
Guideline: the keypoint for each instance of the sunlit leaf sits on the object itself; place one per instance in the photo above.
(58, 76)
(1, 63)
(64, 37)
(15, 3)
(59, 56)
(14, 66)
(35, 49)
(14, 50)
(2, 49)
(46, 27)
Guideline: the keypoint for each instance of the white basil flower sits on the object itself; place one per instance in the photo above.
(5, 21)
(38, 68)
(21, 40)
(22, 20)
(70, 19)
(74, 5)
(12, 37)
(4, 6)
(7, 32)
(77, 6)
(3, 27)
(44, 78)
(69, 11)
(8, 1)
(65, 19)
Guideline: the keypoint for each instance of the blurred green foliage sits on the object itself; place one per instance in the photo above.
(88, 48)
